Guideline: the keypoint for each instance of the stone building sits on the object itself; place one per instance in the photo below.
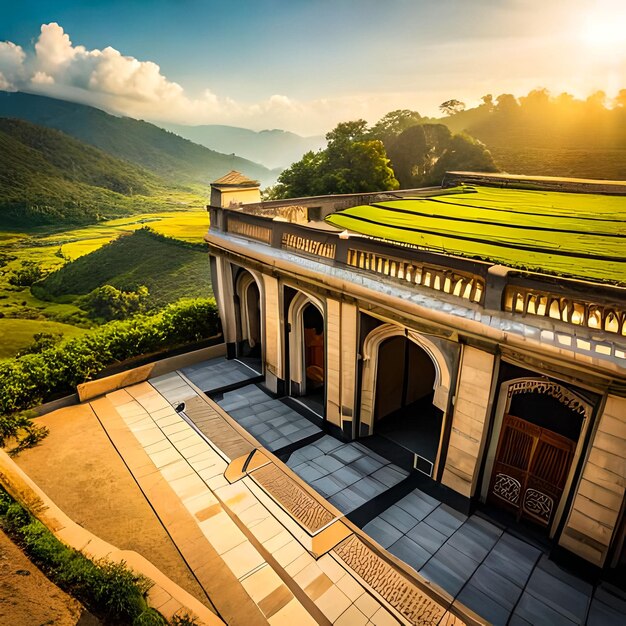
(492, 364)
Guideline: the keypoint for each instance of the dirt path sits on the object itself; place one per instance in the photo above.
(28, 597)
(80, 470)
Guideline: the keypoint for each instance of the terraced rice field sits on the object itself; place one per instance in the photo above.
(580, 235)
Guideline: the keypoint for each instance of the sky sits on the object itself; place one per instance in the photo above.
(305, 65)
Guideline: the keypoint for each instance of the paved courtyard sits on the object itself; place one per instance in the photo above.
(503, 578)
(347, 474)
(268, 419)
(219, 373)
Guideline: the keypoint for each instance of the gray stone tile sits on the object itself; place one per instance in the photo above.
(512, 558)
(367, 465)
(347, 453)
(537, 613)
(414, 504)
(485, 606)
(279, 443)
(399, 518)
(308, 472)
(449, 568)
(327, 444)
(327, 486)
(601, 614)
(390, 475)
(328, 463)
(445, 519)
(410, 552)
(382, 532)
(427, 537)
(347, 476)
(367, 487)
(498, 588)
(550, 567)
(346, 501)
(561, 596)
(474, 540)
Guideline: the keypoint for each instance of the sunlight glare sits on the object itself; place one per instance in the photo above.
(603, 30)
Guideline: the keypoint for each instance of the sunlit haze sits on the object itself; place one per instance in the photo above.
(305, 65)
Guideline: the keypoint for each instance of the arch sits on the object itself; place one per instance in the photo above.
(371, 347)
(297, 366)
(509, 390)
(250, 330)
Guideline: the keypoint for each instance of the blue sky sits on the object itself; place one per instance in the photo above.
(304, 65)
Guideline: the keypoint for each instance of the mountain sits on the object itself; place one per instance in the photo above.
(47, 177)
(272, 148)
(162, 152)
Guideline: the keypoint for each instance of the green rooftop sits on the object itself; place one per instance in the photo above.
(570, 234)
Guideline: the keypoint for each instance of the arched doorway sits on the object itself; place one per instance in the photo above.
(537, 438)
(307, 351)
(250, 330)
(405, 392)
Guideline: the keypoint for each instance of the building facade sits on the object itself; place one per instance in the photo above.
(504, 388)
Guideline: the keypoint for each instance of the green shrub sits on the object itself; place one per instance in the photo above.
(110, 590)
(109, 303)
(29, 272)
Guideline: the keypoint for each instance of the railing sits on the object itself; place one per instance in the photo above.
(597, 311)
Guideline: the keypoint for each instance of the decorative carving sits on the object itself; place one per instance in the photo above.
(251, 231)
(546, 387)
(507, 488)
(538, 504)
(304, 244)
(403, 595)
(294, 499)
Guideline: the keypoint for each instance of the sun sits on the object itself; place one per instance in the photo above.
(603, 30)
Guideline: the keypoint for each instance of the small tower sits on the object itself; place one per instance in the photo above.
(234, 189)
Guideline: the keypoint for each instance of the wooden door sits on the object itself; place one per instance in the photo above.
(530, 470)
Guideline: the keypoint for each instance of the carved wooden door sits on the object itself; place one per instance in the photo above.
(530, 469)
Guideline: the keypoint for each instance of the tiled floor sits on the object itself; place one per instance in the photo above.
(347, 474)
(219, 373)
(502, 578)
(269, 420)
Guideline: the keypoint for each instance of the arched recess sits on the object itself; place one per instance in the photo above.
(303, 343)
(441, 387)
(538, 436)
(251, 327)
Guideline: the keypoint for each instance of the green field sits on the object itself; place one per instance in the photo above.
(22, 314)
(580, 235)
(16, 334)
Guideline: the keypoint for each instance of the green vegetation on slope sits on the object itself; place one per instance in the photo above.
(169, 268)
(581, 235)
(162, 152)
(17, 334)
(47, 177)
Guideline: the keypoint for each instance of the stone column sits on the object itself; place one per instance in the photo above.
(273, 341)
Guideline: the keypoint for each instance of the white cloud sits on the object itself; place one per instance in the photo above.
(41, 78)
(11, 65)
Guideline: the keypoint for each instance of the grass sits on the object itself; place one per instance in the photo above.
(16, 334)
(580, 235)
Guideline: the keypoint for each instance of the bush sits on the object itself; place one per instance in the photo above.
(29, 273)
(110, 590)
(31, 379)
(109, 303)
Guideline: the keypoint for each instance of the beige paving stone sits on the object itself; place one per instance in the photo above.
(121, 396)
(161, 459)
(178, 426)
(298, 564)
(276, 600)
(307, 575)
(350, 587)
(177, 469)
(261, 583)
(254, 515)
(243, 559)
(236, 497)
(182, 437)
(289, 553)
(149, 436)
(165, 412)
(278, 541)
(216, 482)
(293, 614)
(221, 532)
(367, 604)
(160, 446)
(382, 617)
(331, 568)
(188, 486)
(333, 603)
(352, 617)
(318, 587)
(265, 530)
(194, 504)
(194, 448)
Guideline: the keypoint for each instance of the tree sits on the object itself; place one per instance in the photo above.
(109, 303)
(391, 125)
(450, 107)
(28, 273)
(351, 163)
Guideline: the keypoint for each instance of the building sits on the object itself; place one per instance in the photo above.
(484, 340)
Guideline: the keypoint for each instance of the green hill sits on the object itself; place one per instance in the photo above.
(164, 153)
(47, 177)
(171, 269)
